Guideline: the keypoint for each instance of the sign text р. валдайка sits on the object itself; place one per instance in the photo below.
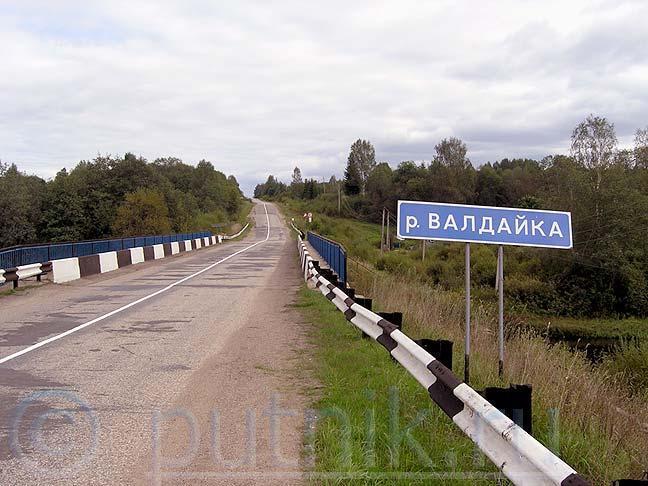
(484, 224)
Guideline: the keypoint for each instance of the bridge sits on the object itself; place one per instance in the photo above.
(170, 341)
(181, 369)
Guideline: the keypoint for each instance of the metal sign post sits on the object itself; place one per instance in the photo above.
(388, 236)
(382, 232)
(467, 330)
(420, 220)
(500, 292)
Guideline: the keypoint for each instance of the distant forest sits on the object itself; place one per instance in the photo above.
(604, 187)
(114, 196)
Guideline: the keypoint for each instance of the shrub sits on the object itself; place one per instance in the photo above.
(395, 263)
(538, 296)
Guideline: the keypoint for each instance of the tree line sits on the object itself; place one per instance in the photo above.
(604, 187)
(114, 196)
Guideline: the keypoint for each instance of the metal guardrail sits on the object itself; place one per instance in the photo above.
(517, 454)
(231, 237)
(28, 254)
(331, 251)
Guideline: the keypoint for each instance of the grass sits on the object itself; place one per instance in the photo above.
(244, 211)
(595, 434)
(586, 413)
(631, 364)
(242, 218)
(376, 424)
(571, 328)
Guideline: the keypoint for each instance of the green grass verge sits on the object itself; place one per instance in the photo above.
(570, 328)
(242, 218)
(376, 424)
(244, 211)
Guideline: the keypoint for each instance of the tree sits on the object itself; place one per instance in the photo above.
(593, 145)
(361, 161)
(451, 176)
(641, 148)
(451, 152)
(270, 188)
(297, 176)
(380, 190)
(143, 212)
(62, 217)
(352, 179)
(310, 189)
(297, 186)
(20, 203)
(490, 189)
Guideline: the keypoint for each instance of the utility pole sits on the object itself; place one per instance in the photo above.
(339, 199)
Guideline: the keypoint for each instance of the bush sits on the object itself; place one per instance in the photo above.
(444, 273)
(144, 212)
(362, 250)
(394, 262)
(538, 296)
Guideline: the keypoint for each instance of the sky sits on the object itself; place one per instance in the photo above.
(259, 87)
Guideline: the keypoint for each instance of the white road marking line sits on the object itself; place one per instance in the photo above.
(138, 301)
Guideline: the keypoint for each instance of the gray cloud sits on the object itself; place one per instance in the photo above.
(260, 87)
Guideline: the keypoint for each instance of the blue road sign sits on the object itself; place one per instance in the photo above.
(484, 224)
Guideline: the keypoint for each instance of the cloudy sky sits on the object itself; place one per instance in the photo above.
(258, 87)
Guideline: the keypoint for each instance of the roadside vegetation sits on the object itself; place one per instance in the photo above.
(590, 408)
(593, 298)
(595, 416)
(116, 196)
(376, 424)
(604, 187)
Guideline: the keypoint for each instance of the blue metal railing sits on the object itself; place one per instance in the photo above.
(331, 251)
(27, 254)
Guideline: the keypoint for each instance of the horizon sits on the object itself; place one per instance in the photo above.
(254, 87)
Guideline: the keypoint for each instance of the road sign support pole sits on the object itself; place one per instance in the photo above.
(382, 232)
(388, 235)
(500, 291)
(467, 337)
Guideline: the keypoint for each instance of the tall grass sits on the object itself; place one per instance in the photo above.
(603, 428)
(630, 363)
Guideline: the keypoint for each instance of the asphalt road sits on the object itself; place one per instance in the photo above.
(197, 382)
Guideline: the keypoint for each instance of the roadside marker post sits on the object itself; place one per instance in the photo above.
(500, 226)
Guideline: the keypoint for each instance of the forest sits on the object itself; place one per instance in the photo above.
(114, 196)
(604, 187)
